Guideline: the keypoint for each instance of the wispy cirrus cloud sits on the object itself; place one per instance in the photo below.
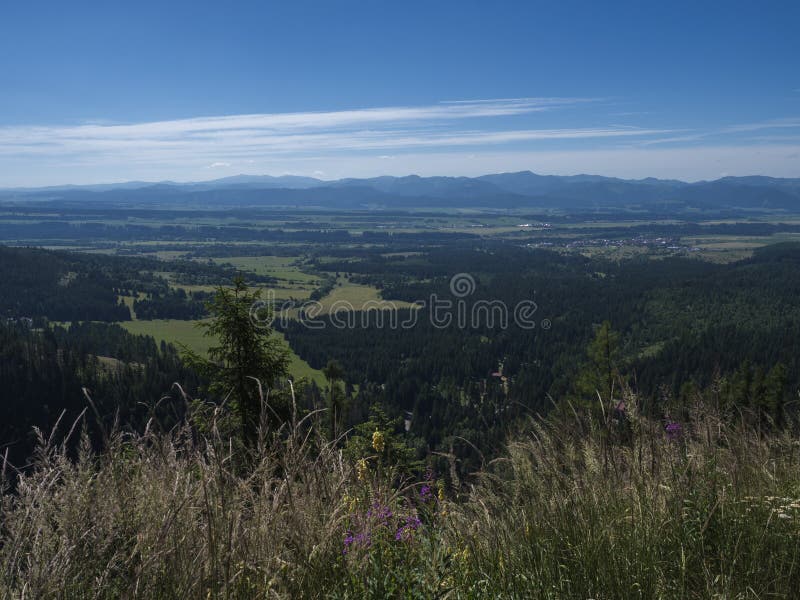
(739, 132)
(762, 125)
(293, 122)
(439, 125)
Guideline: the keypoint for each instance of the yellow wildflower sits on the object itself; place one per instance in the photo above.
(378, 441)
(362, 469)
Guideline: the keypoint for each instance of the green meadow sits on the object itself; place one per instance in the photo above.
(189, 334)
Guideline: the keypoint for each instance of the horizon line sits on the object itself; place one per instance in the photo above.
(177, 182)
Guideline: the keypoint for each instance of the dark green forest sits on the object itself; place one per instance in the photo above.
(684, 326)
(97, 367)
(71, 286)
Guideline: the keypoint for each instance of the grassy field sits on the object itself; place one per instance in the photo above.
(353, 294)
(186, 332)
(284, 268)
(347, 296)
(292, 282)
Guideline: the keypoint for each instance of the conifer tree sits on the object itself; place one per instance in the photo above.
(334, 373)
(600, 373)
(245, 356)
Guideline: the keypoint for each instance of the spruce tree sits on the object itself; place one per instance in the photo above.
(246, 353)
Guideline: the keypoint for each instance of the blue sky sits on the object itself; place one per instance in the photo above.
(112, 91)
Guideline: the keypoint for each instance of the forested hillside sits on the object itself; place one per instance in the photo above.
(37, 283)
(69, 286)
(683, 325)
(94, 367)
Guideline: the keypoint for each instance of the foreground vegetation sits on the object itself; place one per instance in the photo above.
(618, 507)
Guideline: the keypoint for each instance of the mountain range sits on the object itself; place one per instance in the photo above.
(521, 190)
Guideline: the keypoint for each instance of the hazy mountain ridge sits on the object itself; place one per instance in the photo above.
(503, 190)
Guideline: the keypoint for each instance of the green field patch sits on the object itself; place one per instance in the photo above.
(285, 268)
(291, 292)
(189, 334)
(353, 294)
(113, 365)
(401, 254)
(167, 254)
(323, 260)
(349, 296)
(191, 289)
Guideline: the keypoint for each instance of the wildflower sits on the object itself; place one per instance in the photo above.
(363, 540)
(426, 493)
(378, 441)
(348, 541)
(441, 492)
(380, 513)
(674, 430)
(350, 501)
(362, 469)
(406, 531)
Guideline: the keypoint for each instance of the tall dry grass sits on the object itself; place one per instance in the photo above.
(711, 510)
(170, 515)
(614, 511)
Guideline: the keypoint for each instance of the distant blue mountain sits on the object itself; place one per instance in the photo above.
(291, 182)
(522, 190)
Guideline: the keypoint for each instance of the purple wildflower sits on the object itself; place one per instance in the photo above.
(426, 493)
(348, 541)
(361, 539)
(406, 531)
(674, 430)
(380, 513)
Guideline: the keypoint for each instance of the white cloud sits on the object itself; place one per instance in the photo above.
(730, 131)
(245, 139)
(771, 124)
(278, 122)
(454, 137)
